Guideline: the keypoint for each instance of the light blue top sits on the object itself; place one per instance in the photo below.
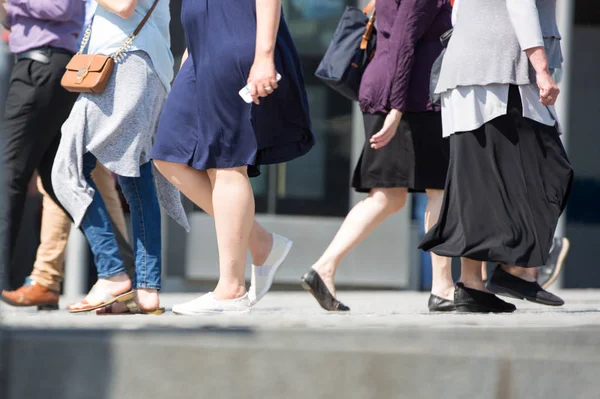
(109, 32)
(90, 9)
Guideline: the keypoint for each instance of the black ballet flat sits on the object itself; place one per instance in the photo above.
(469, 300)
(439, 304)
(505, 284)
(313, 283)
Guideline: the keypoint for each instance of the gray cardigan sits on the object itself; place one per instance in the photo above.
(484, 48)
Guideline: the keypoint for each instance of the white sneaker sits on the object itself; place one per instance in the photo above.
(262, 276)
(208, 304)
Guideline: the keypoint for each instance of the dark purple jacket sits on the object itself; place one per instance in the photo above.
(408, 42)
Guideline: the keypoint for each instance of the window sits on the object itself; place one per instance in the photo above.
(317, 183)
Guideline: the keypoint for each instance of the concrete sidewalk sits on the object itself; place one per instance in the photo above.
(388, 346)
(369, 310)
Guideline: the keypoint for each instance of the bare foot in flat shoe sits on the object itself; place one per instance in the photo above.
(146, 299)
(115, 286)
(111, 287)
(327, 274)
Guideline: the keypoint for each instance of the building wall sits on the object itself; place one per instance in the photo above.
(583, 212)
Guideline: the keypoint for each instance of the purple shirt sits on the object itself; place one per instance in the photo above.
(408, 42)
(37, 23)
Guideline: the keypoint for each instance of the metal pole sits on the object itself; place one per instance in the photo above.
(76, 264)
(564, 19)
(358, 142)
(5, 69)
(272, 189)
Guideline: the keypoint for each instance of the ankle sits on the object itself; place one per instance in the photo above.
(325, 268)
(147, 291)
(119, 278)
(260, 250)
(47, 284)
(443, 290)
(226, 291)
(521, 272)
(115, 285)
(147, 298)
(475, 284)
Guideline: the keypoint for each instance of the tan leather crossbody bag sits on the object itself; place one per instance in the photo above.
(89, 73)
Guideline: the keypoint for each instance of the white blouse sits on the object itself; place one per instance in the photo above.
(467, 108)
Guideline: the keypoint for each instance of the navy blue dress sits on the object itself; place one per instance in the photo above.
(205, 123)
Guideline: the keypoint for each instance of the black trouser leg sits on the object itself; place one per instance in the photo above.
(5, 71)
(36, 108)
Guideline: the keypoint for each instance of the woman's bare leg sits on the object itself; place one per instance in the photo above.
(233, 206)
(470, 274)
(196, 186)
(442, 284)
(360, 222)
(525, 273)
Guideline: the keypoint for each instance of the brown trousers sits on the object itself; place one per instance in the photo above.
(48, 269)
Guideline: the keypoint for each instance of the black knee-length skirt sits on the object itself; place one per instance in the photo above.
(508, 182)
(416, 157)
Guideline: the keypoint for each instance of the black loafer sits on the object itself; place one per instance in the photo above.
(547, 274)
(504, 283)
(468, 300)
(313, 283)
(439, 304)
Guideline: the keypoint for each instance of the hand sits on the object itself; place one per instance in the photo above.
(388, 131)
(263, 78)
(548, 89)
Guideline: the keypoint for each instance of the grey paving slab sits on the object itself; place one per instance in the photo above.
(298, 310)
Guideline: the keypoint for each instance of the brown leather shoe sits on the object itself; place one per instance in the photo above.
(32, 294)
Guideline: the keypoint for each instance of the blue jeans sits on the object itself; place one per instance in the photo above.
(140, 194)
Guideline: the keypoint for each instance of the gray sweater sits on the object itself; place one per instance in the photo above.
(117, 126)
(484, 48)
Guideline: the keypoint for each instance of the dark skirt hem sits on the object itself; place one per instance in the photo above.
(366, 188)
(253, 170)
(453, 253)
(279, 154)
(285, 152)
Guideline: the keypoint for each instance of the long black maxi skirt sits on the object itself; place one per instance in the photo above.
(508, 182)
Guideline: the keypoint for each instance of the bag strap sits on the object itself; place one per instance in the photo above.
(128, 41)
(146, 18)
(370, 25)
